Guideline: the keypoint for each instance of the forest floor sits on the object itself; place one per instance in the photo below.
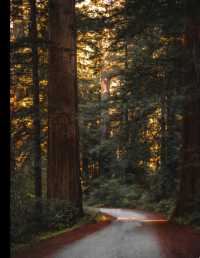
(121, 233)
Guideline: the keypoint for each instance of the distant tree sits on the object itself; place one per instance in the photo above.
(36, 101)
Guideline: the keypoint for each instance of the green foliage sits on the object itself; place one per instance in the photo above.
(165, 206)
(161, 186)
(57, 214)
(21, 208)
(191, 215)
(27, 220)
(112, 192)
(115, 192)
(190, 219)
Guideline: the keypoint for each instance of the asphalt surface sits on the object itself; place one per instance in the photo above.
(126, 237)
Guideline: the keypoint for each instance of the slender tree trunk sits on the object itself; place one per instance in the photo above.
(167, 147)
(163, 150)
(105, 93)
(126, 126)
(63, 180)
(36, 103)
(12, 155)
(85, 166)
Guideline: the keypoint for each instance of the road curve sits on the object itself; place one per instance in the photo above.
(133, 234)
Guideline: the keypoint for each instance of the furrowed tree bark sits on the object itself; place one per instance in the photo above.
(36, 104)
(63, 180)
(190, 172)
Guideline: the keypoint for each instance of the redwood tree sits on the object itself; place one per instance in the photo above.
(63, 180)
(190, 171)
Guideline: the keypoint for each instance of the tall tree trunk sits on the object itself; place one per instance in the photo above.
(190, 173)
(163, 147)
(12, 155)
(126, 125)
(167, 146)
(105, 92)
(36, 103)
(63, 180)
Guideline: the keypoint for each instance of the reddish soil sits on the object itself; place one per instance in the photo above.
(178, 241)
(175, 241)
(46, 248)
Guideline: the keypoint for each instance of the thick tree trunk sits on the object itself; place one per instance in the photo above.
(190, 173)
(36, 103)
(63, 181)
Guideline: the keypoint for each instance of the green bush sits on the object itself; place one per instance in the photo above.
(21, 208)
(161, 187)
(165, 206)
(57, 214)
(112, 192)
(192, 214)
(27, 221)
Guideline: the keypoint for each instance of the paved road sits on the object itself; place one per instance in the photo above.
(126, 237)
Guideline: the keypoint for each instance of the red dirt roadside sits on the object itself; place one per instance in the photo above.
(47, 247)
(178, 241)
(173, 240)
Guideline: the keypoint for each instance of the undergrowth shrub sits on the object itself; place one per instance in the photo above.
(57, 214)
(115, 192)
(26, 221)
(112, 192)
(192, 214)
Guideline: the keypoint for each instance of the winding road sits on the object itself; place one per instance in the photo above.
(135, 234)
(130, 234)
